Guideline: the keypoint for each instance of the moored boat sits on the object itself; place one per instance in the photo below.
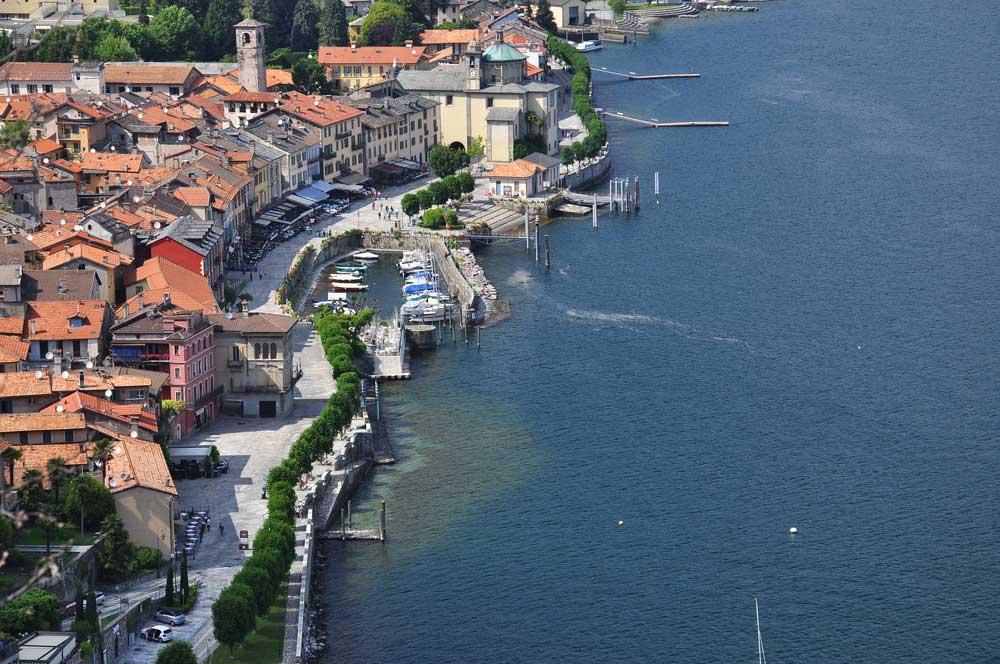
(348, 287)
(346, 277)
(589, 45)
(365, 256)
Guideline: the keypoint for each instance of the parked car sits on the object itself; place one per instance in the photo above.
(68, 609)
(244, 540)
(170, 617)
(160, 633)
(98, 599)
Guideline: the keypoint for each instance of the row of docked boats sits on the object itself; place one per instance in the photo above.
(425, 300)
(346, 278)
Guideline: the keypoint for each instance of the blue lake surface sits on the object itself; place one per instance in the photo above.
(804, 333)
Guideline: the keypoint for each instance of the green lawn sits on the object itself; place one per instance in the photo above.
(106, 619)
(64, 535)
(266, 644)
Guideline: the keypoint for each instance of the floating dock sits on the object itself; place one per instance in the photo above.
(632, 76)
(656, 123)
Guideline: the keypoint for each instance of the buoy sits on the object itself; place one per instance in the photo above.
(621, 523)
(792, 531)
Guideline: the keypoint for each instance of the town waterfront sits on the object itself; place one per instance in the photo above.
(804, 334)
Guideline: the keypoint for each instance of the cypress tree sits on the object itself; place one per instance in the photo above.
(333, 29)
(304, 35)
(168, 595)
(80, 608)
(185, 589)
(544, 17)
(92, 615)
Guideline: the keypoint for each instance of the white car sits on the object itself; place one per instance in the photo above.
(160, 633)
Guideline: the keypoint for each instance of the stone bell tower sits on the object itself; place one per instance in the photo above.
(250, 55)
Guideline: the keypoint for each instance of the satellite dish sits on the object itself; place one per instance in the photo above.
(113, 148)
(78, 227)
(139, 116)
(38, 374)
(107, 362)
(134, 434)
(59, 409)
(65, 375)
(129, 183)
(90, 365)
(93, 151)
(62, 222)
(49, 355)
(45, 160)
(103, 205)
(29, 236)
(108, 393)
(112, 483)
(157, 225)
(136, 199)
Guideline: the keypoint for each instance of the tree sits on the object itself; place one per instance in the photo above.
(445, 161)
(568, 156)
(6, 43)
(466, 182)
(178, 652)
(544, 17)
(104, 450)
(30, 492)
(80, 605)
(57, 45)
(233, 615)
(305, 33)
(217, 30)
(174, 33)
(185, 588)
(275, 16)
(168, 592)
(6, 533)
(386, 24)
(579, 152)
(116, 552)
(617, 6)
(16, 134)
(476, 149)
(410, 204)
(88, 502)
(426, 199)
(333, 30)
(92, 614)
(258, 581)
(440, 191)
(56, 469)
(7, 461)
(310, 77)
(143, 7)
(33, 611)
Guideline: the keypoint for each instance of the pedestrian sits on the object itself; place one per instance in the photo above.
(373, 205)
(220, 529)
(380, 216)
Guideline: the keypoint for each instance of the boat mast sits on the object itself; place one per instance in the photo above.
(761, 659)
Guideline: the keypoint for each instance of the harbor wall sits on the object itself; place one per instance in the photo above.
(588, 175)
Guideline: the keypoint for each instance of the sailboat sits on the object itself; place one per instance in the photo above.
(761, 659)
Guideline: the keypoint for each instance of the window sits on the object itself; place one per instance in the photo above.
(6, 406)
(69, 435)
(264, 351)
(448, 100)
(174, 90)
(177, 396)
(256, 351)
(149, 89)
(46, 88)
(23, 438)
(274, 351)
(15, 88)
(489, 102)
(177, 372)
(46, 436)
(121, 88)
(236, 353)
(177, 349)
(76, 321)
(32, 88)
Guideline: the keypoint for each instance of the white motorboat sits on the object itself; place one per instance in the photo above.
(589, 45)
(366, 256)
(336, 297)
(347, 287)
(346, 278)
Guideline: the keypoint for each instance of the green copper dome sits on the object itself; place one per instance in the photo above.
(503, 53)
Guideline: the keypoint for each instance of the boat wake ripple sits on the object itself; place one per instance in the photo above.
(680, 329)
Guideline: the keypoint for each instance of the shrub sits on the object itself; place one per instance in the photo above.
(33, 611)
(454, 187)
(410, 204)
(146, 558)
(426, 199)
(437, 218)
(178, 652)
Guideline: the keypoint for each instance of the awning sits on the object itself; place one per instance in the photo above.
(295, 198)
(185, 453)
(408, 164)
(353, 188)
(260, 221)
(353, 178)
(312, 193)
(325, 187)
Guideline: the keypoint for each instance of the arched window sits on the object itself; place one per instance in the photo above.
(274, 351)
(236, 353)
(264, 352)
(256, 351)
(246, 38)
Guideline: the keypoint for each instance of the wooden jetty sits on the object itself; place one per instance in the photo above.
(632, 76)
(655, 123)
(368, 535)
(585, 199)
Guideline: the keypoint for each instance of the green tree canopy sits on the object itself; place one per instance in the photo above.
(445, 161)
(310, 77)
(178, 652)
(305, 31)
(544, 17)
(333, 30)
(15, 134)
(260, 583)
(466, 182)
(33, 611)
(426, 199)
(116, 551)
(410, 204)
(174, 31)
(440, 191)
(86, 494)
(57, 45)
(228, 621)
(387, 24)
(217, 29)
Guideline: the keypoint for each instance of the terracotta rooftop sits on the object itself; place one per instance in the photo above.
(138, 463)
(45, 146)
(54, 321)
(13, 350)
(370, 55)
(148, 74)
(36, 457)
(193, 196)
(123, 412)
(518, 169)
(187, 289)
(111, 161)
(25, 384)
(318, 110)
(40, 422)
(35, 71)
(428, 37)
(254, 323)
(12, 325)
(104, 257)
(246, 95)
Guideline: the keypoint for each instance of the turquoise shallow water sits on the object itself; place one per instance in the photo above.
(803, 334)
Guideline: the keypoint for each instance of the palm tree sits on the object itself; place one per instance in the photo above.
(31, 487)
(103, 451)
(9, 457)
(57, 472)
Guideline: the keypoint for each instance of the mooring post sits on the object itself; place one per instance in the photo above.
(479, 336)
(378, 408)
(381, 522)
(343, 526)
(594, 212)
(636, 193)
(527, 234)
(548, 261)
(350, 522)
(536, 239)
(611, 194)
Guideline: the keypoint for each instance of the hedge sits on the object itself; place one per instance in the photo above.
(582, 104)
(234, 613)
(441, 218)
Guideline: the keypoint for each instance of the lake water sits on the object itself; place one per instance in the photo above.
(803, 334)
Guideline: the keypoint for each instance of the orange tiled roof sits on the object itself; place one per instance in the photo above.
(443, 54)
(155, 115)
(10, 325)
(54, 216)
(112, 161)
(212, 108)
(14, 160)
(246, 95)
(35, 71)
(531, 70)
(51, 321)
(95, 381)
(45, 146)
(278, 77)
(40, 422)
(36, 457)
(5, 187)
(463, 36)
(318, 110)
(369, 55)
(24, 384)
(54, 235)
(13, 350)
(104, 257)
(138, 463)
(225, 83)
(519, 169)
(193, 196)
(148, 74)
(124, 412)
(187, 289)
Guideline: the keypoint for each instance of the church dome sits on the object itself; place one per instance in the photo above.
(503, 53)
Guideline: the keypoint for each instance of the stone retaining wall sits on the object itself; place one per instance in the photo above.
(588, 175)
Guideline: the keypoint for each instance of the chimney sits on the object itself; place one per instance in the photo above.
(408, 43)
(76, 59)
(138, 301)
(82, 381)
(270, 137)
(31, 326)
(354, 46)
(166, 299)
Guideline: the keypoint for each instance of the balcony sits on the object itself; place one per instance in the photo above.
(205, 398)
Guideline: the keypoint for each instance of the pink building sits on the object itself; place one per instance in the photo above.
(178, 342)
